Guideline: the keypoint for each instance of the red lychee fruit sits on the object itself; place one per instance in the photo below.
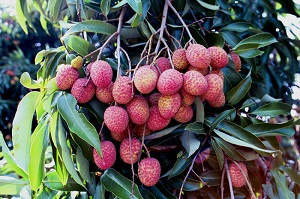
(198, 56)
(101, 73)
(138, 109)
(203, 71)
(105, 94)
(236, 175)
(124, 134)
(169, 82)
(168, 105)
(149, 171)
(194, 83)
(218, 102)
(218, 72)
(141, 129)
(153, 98)
(122, 90)
(88, 69)
(179, 59)
(163, 64)
(66, 76)
(218, 56)
(215, 87)
(116, 119)
(145, 80)
(83, 90)
(130, 150)
(236, 60)
(152, 67)
(187, 98)
(109, 154)
(184, 114)
(155, 121)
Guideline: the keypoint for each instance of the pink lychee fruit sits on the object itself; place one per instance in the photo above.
(215, 87)
(153, 98)
(179, 59)
(155, 121)
(139, 130)
(169, 82)
(198, 56)
(203, 71)
(184, 114)
(218, 102)
(130, 150)
(187, 98)
(194, 83)
(101, 73)
(88, 69)
(83, 90)
(105, 94)
(109, 154)
(145, 80)
(218, 72)
(168, 105)
(218, 56)
(122, 90)
(138, 109)
(236, 60)
(236, 174)
(66, 76)
(124, 134)
(116, 118)
(149, 171)
(163, 64)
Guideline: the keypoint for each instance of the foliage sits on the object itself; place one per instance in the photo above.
(239, 131)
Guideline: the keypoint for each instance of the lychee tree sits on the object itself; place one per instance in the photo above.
(151, 99)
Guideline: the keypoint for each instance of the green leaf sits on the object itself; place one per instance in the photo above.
(20, 16)
(241, 27)
(83, 165)
(236, 94)
(189, 184)
(295, 177)
(77, 122)
(248, 51)
(268, 188)
(105, 7)
(273, 109)
(230, 37)
(212, 178)
(50, 93)
(282, 185)
(27, 82)
(120, 186)
(11, 186)
(95, 26)
(79, 45)
(229, 149)
(161, 192)
(136, 5)
(221, 117)
(60, 167)
(162, 133)
(99, 191)
(199, 110)
(219, 153)
(196, 127)
(21, 130)
(208, 6)
(260, 39)
(39, 143)
(190, 142)
(214, 39)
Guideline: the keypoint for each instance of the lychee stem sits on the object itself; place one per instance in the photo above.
(173, 39)
(229, 178)
(121, 17)
(129, 61)
(148, 43)
(131, 161)
(162, 26)
(143, 142)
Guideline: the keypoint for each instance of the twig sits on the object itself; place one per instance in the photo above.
(169, 53)
(128, 59)
(121, 18)
(131, 162)
(143, 142)
(222, 183)
(229, 179)
(162, 26)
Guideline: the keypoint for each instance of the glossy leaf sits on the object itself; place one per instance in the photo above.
(79, 45)
(105, 7)
(77, 122)
(83, 165)
(120, 186)
(236, 94)
(295, 177)
(212, 178)
(229, 149)
(190, 142)
(11, 185)
(53, 182)
(180, 165)
(219, 153)
(273, 109)
(208, 6)
(222, 116)
(214, 39)
(196, 127)
(20, 16)
(199, 110)
(230, 37)
(27, 82)
(189, 184)
(21, 131)
(136, 5)
(260, 39)
(240, 26)
(282, 185)
(161, 133)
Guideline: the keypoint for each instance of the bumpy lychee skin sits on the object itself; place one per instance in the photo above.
(218, 102)
(105, 94)
(77, 62)
(119, 136)
(155, 121)
(149, 171)
(141, 129)
(130, 150)
(218, 72)
(203, 71)
(145, 80)
(116, 119)
(184, 114)
(236, 175)
(187, 98)
(101, 73)
(237, 61)
(138, 109)
(219, 57)
(179, 59)
(83, 90)
(194, 83)
(198, 56)
(88, 69)
(163, 64)
(122, 90)
(66, 76)
(109, 154)
(169, 82)
(168, 105)
(153, 98)
(215, 87)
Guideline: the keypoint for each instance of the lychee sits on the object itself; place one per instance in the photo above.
(83, 90)
(236, 60)
(149, 171)
(138, 109)
(218, 102)
(203, 71)
(179, 59)
(169, 82)
(88, 69)
(109, 154)
(130, 150)
(116, 119)
(215, 87)
(145, 80)
(184, 114)
(153, 98)
(163, 64)
(218, 72)
(218, 56)
(198, 56)
(168, 105)
(187, 98)
(155, 121)
(194, 83)
(139, 130)
(77, 62)
(105, 94)
(101, 73)
(152, 67)
(236, 175)
(66, 76)
(124, 134)
(122, 90)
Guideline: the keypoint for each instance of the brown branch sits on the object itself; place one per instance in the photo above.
(162, 26)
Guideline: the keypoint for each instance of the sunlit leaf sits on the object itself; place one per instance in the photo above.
(11, 185)
(53, 182)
